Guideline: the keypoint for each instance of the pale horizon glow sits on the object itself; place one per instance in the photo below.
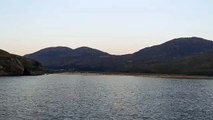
(113, 26)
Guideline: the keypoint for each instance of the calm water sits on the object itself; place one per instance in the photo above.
(104, 97)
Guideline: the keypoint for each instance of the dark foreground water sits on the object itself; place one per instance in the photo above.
(104, 97)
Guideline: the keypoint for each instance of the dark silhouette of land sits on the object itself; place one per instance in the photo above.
(188, 56)
(13, 65)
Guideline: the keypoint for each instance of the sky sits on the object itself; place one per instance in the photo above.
(114, 26)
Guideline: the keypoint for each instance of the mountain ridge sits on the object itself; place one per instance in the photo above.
(177, 47)
(155, 59)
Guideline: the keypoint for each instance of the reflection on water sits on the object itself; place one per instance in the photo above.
(100, 97)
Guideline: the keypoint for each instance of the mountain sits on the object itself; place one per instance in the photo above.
(51, 56)
(177, 56)
(200, 64)
(67, 58)
(175, 48)
(16, 65)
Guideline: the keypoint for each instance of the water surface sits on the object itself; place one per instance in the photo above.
(105, 97)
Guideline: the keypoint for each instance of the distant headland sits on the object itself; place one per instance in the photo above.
(181, 56)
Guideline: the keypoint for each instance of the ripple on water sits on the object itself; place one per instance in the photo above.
(103, 97)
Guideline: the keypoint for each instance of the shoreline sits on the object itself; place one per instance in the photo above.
(173, 76)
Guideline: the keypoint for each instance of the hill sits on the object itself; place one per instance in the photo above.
(173, 57)
(16, 65)
(175, 48)
(200, 64)
(67, 58)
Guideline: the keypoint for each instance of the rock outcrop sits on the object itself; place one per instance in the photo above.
(13, 65)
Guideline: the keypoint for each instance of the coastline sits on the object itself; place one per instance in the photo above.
(172, 76)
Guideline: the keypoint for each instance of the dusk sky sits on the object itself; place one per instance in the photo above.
(113, 26)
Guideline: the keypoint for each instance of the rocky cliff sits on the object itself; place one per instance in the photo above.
(11, 65)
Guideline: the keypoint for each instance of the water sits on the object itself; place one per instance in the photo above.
(104, 97)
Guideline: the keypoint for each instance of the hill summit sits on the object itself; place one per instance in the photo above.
(190, 55)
